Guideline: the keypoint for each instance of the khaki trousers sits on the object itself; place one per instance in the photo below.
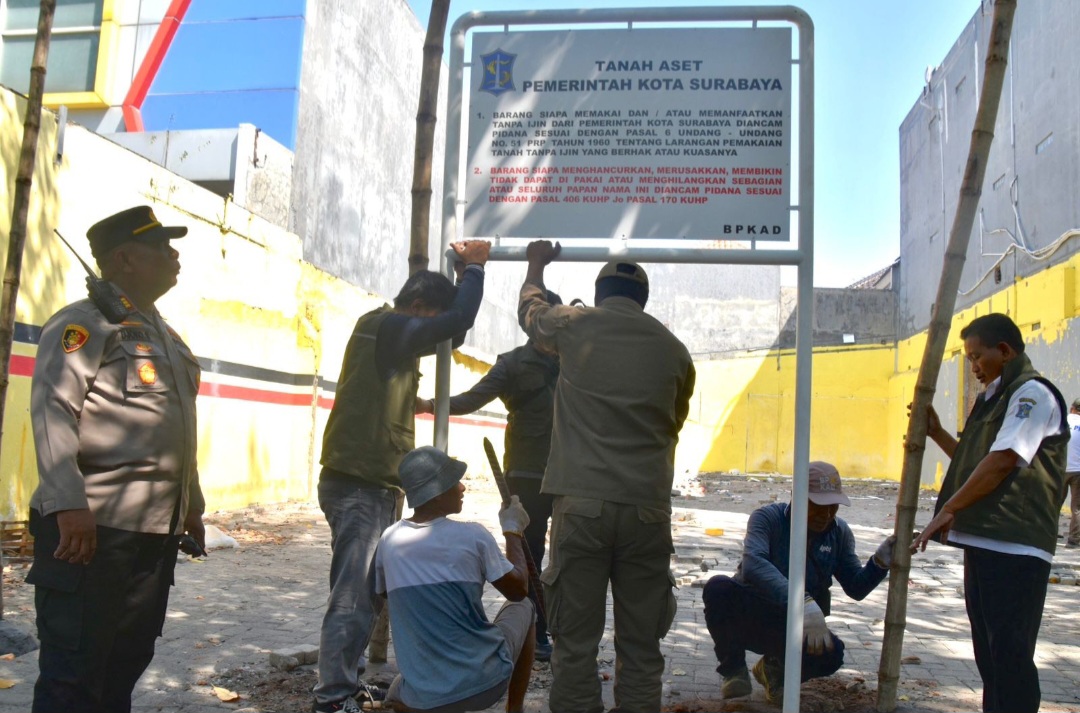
(1072, 480)
(594, 543)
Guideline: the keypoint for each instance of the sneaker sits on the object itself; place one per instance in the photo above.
(369, 693)
(737, 684)
(542, 652)
(770, 674)
(346, 706)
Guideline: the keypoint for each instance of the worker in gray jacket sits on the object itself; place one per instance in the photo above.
(749, 610)
(113, 411)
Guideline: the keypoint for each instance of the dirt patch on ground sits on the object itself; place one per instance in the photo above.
(268, 690)
(818, 696)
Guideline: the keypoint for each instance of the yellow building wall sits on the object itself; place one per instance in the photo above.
(270, 328)
(1042, 305)
(746, 412)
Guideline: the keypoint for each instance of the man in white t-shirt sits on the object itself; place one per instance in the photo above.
(1072, 475)
(432, 571)
(1000, 501)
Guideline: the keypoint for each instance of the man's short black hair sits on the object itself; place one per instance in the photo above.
(993, 329)
(621, 287)
(433, 289)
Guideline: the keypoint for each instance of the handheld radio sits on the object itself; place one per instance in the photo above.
(115, 308)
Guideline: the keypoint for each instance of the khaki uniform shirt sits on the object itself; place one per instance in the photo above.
(113, 412)
(622, 396)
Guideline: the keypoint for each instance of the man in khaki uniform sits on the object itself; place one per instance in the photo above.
(623, 393)
(113, 410)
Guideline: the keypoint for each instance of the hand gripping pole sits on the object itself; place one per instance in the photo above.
(504, 491)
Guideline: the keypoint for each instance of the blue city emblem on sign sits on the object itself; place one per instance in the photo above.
(498, 76)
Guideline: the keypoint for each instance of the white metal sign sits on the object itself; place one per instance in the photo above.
(643, 133)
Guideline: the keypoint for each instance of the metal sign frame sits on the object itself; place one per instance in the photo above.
(801, 257)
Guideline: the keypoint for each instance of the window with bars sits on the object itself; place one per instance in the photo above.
(73, 49)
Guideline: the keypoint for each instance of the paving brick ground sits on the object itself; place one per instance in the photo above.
(230, 611)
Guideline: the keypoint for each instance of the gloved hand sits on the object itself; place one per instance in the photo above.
(513, 518)
(817, 635)
(884, 554)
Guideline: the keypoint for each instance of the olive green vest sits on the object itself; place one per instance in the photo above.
(1024, 508)
(373, 422)
(529, 400)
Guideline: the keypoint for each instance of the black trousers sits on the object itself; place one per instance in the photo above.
(538, 506)
(739, 619)
(1004, 596)
(98, 623)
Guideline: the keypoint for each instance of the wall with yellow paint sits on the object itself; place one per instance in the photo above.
(744, 406)
(244, 297)
(745, 412)
(1042, 305)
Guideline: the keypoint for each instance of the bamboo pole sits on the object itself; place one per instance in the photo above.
(426, 117)
(24, 179)
(982, 136)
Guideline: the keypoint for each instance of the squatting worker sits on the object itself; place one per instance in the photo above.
(113, 410)
(749, 610)
(370, 429)
(432, 570)
(623, 393)
(524, 378)
(1000, 502)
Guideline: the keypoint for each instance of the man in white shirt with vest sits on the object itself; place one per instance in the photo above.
(1000, 501)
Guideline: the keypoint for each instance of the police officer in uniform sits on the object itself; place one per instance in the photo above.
(113, 411)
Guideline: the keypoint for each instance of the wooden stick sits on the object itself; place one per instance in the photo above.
(982, 136)
(504, 491)
(24, 179)
(426, 117)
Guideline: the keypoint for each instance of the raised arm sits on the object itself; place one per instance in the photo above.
(538, 318)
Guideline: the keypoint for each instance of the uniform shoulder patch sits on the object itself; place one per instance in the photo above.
(75, 336)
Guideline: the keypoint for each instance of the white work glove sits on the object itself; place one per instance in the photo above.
(513, 518)
(884, 554)
(815, 632)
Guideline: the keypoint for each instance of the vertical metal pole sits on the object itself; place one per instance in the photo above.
(443, 354)
(804, 342)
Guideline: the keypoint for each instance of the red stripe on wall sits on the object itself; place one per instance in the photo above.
(21, 365)
(244, 393)
(465, 421)
(24, 366)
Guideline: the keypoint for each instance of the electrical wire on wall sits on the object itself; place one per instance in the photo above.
(1018, 241)
(1038, 254)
